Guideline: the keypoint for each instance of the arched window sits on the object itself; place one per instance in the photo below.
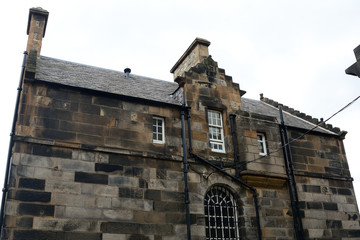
(220, 214)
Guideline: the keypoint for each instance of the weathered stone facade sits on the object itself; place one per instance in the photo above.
(84, 164)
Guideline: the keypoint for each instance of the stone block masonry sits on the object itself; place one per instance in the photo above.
(115, 195)
(95, 181)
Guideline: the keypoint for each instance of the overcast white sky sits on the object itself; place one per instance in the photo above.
(293, 52)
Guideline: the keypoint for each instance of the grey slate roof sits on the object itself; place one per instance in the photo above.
(93, 78)
(104, 80)
(259, 107)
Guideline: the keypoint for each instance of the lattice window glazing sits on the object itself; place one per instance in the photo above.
(220, 215)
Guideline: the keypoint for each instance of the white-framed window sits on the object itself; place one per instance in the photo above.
(158, 130)
(221, 214)
(262, 144)
(216, 131)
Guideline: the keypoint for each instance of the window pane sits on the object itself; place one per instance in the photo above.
(261, 147)
(213, 234)
(226, 234)
(212, 211)
(207, 233)
(210, 118)
(214, 118)
(217, 211)
(219, 233)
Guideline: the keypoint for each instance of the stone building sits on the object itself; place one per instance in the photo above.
(103, 154)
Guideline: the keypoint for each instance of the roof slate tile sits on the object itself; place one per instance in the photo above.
(104, 80)
(115, 82)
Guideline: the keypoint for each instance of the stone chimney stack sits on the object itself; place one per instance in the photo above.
(36, 28)
(195, 54)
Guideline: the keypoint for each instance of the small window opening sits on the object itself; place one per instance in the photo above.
(216, 132)
(158, 130)
(262, 144)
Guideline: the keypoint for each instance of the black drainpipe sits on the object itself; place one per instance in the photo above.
(189, 129)
(11, 144)
(186, 169)
(289, 166)
(236, 159)
(252, 189)
(292, 172)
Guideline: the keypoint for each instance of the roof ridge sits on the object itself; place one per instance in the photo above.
(302, 115)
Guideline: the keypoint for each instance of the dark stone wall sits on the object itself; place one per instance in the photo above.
(61, 114)
(319, 155)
